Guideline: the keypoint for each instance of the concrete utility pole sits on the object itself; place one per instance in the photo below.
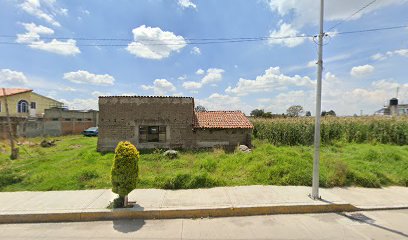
(14, 150)
(315, 183)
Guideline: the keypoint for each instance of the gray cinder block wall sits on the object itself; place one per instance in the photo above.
(120, 118)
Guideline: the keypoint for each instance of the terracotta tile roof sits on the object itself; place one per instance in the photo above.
(14, 91)
(221, 119)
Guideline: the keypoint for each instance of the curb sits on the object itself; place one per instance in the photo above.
(83, 216)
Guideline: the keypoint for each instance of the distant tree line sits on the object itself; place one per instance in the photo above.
(292, 111)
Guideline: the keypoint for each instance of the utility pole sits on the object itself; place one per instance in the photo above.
(315, 183)
(14, 150)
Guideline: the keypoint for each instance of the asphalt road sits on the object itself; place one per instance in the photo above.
(358, 225)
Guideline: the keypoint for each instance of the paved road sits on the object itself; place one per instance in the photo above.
(359, 225)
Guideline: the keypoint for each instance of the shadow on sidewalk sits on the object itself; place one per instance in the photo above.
(361, 218)
(128, 225)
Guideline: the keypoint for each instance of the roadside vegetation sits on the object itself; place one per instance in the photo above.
(74, 164)
(300, 131)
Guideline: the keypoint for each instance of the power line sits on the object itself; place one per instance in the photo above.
(20, 36)
(198, 41)
(352, 15)
(372, 30)
(169, 42)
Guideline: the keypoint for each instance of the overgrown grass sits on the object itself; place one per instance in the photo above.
(300, 131)
(75, 164)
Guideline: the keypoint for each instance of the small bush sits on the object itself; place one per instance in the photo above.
(188, 181)
(125, 170)
(87, 175)
(209, 165)
(363, 180)
(9, 177)
(336, 174)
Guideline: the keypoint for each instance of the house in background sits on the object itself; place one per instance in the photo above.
(168, 122)
(34, 115)
(393, 109)
(24, 102)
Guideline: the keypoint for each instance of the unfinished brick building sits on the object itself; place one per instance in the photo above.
(168, 122)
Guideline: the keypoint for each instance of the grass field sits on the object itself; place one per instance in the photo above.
(74, 164)
(300, 131)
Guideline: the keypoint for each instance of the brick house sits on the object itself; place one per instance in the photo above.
(168, 122)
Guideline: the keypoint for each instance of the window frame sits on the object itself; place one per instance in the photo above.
(152, 133)
(33, 104)
(22, 105)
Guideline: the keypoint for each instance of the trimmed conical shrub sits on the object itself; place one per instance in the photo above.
(125, 169)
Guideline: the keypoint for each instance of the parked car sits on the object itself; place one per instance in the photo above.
(92, 131)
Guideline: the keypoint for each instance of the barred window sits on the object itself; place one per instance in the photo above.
(152, 134)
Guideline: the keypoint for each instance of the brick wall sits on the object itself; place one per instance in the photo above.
(120, 119)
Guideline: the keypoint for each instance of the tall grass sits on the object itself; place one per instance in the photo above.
(300, 131)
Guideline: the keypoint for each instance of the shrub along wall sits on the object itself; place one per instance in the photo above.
(300, 131)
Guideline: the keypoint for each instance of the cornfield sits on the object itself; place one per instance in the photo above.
(300, 131)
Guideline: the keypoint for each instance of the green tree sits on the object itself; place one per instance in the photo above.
(294, 111)
(125, 170)
(257, 113)
(200, 108)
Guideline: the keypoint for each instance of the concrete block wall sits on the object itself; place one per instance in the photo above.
(228, 138)
(121, 116)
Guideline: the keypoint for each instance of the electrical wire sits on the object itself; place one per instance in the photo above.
(352, 15)
(198, 41)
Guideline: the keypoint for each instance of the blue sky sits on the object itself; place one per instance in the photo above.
(153, 53)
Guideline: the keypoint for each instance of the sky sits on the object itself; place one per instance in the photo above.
(77, 50)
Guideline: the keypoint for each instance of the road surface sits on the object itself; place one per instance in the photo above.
(358, 225)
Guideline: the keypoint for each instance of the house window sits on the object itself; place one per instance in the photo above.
(22, 106)
(79, 119)
(67, 119)
(33, 105)
(55, 119)
(0, 106)
(152, 134)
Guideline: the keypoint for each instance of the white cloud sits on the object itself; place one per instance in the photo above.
(190, 85)
(182, 78)
(85, 77)
(33, 39)
(305, 12)
(154, 43)
(160, 87)
(271, 80)
(380, 56)
(402, 52)
(279, 37)
(186, 4)
(98, 93)
(8, 76)
(213, 75)
(44, 9)
(81, 103)
(68, 89)
(218, 101)
(363, 70)
(59, 47)
(200, 72)
(195, 51)
(386, 84)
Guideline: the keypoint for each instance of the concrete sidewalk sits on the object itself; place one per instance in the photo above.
(88, 205)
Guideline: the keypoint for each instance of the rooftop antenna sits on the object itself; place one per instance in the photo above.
(397, 92)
